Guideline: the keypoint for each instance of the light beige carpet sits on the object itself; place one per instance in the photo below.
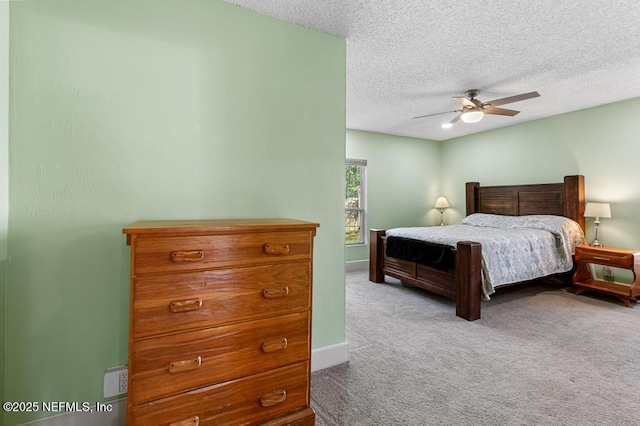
(540, 355)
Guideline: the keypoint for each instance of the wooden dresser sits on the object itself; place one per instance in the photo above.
(220, 322)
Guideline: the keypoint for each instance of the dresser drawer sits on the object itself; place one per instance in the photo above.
(165, 304)
(250, 400)
(171, 364)
(157, 255)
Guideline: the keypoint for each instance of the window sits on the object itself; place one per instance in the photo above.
(354, 205)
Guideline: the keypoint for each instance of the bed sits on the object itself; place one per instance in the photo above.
(460, 274)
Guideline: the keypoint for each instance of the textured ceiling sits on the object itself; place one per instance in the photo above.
(407, 58)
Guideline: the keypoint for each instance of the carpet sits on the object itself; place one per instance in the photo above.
(540, 355)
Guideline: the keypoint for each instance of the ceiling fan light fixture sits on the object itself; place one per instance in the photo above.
(472, 115)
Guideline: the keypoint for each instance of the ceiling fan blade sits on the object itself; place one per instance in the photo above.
(499, 111)
(437, 113)
(466, 102)
(511, 99)
(455, 119)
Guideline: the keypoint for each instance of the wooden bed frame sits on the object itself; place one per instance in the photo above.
(463, 283)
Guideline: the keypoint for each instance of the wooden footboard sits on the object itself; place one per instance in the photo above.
(463, 284)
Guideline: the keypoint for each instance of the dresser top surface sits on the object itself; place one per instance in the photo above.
(216, 226)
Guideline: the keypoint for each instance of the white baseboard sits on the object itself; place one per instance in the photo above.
(117, 416)
(357, 265)
(321, 358)
(328, 356)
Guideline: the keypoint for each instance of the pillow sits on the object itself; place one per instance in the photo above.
(490, 220)
(567, 230)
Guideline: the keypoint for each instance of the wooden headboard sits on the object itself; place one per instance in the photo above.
(560, 199)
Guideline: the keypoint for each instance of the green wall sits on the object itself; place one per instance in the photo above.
(600, 143)
(4, 178)
(403, 177)
(153, 109)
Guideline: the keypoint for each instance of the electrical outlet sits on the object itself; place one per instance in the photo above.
(116, 381)
(123, 381)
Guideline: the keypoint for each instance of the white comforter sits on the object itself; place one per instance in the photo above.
(514, 248)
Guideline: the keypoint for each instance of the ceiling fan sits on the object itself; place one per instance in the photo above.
(474, 110)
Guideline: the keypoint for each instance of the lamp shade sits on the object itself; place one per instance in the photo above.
(441, 203)
(472, 115)
(597, 210)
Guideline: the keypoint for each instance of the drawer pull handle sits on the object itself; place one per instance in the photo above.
(187, 256)
(274, 345)
(185, 305)
(176, 367)
(191, 421)
(276, 249)
(601, 258)
(274, 293)
(273, 398)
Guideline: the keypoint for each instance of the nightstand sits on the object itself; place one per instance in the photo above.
(611, 257)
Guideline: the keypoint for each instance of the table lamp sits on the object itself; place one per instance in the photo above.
(597, 210)
(441, 203)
